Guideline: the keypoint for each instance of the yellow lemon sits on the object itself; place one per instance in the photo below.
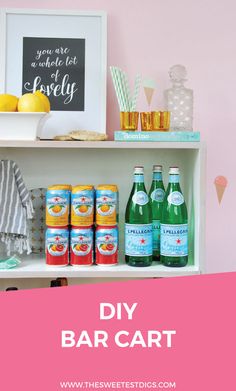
(30, 103)
(44, 99)
(8, 102)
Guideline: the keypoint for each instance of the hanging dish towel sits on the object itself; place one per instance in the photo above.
(15, 208)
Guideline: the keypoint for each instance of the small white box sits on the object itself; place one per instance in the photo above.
(21, 126)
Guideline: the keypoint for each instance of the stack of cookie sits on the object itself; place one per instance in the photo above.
(82, 135)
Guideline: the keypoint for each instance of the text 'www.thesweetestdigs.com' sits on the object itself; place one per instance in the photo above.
(102, 385)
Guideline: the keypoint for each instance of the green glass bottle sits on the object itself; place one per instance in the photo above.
(174, 224)
(157, 194)
(138, 223)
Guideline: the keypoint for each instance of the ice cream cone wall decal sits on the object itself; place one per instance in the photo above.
(149, 88)
(220, 185)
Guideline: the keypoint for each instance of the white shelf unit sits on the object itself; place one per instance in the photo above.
(46, 162)
(35, 267)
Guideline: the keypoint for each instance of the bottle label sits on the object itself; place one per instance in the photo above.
(138, 178)
(82, 203)
(157, 176)
(57, 206)
(106, 201)
(158, 195)
(140, 198)
(138, 240)
(174, 178)
(175, 198)
(156, 234)
(81, 241)
(174, 240)
(57, 242)
(107, 241)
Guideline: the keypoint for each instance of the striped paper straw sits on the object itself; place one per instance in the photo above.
(125, 90)
(137, 85)
(122, 89)
(117, 86)
(119, 74)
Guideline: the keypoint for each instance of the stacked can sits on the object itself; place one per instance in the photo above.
(75, 206)
(106, 242)
(57, 221)
(82, 218)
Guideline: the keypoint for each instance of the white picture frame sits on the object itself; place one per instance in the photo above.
(16, 24)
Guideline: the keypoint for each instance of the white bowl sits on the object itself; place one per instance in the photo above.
(21, 126)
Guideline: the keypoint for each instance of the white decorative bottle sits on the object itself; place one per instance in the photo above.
(179, 100)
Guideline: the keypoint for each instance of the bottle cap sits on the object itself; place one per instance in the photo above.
(81, 226)
(12, 288)
(157, 168)
(58, 227)
(138, 170)
(113, 188)
(114, 226)
(78, 188)
(60, 187)
(174, 170)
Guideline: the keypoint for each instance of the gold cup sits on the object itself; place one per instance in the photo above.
(146, 123)
(160, 120)
(129, 120)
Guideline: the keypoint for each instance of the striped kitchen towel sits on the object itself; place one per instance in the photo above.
(15, 208)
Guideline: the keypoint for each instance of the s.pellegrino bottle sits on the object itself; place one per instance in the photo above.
(174, 224)
(157, 194)
(138, 223)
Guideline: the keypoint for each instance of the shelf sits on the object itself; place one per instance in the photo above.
(99, 144)
(44, 162)
(34, 267)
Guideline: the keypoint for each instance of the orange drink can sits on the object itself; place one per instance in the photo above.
(58, 205)
(106, 205)
(82, 205)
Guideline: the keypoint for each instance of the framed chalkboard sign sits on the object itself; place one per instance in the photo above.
(57, 67)
(64, 55)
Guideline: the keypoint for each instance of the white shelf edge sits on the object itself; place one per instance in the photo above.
(99, 144)
(35, 267)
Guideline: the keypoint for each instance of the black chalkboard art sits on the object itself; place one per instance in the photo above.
(56, 67)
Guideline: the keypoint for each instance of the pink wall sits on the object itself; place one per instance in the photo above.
(148, 37)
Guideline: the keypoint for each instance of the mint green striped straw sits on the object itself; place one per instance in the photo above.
(117, 86)
(120, 88)
(125, 89)
(137, 85)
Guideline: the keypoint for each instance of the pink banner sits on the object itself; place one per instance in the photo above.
(176, 333)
